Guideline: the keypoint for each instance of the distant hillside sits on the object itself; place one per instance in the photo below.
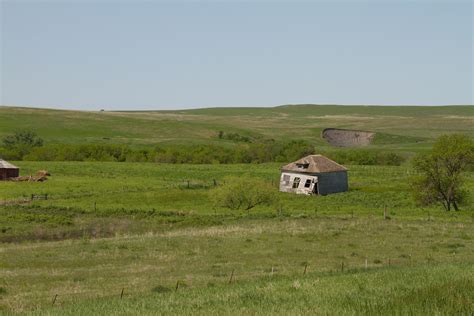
(397, 127)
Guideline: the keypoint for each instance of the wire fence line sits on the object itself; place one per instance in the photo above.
(224, 278)
(191, 183)
(163, 185)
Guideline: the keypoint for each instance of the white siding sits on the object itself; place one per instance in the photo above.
(288, 180)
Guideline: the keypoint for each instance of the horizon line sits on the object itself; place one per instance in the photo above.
(100, 109)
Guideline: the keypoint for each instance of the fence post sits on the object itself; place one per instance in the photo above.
(54, 299)
(121, 293)
(177, 285)
(188, 184)
(305, 267)
(215, 182)
(342, 266)
(231, 276)
(46, 196)
(385, 212)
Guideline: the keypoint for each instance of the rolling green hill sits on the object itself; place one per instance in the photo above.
(398, 127)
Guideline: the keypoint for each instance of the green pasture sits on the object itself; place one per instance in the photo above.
(145, 227)
(428, 290)
(364, 264)
(399, 128)
(106, 198)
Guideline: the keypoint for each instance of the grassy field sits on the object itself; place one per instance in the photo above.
(126, 238)
(403, 128)
(139, 227)
(432, 290)
(102, 198)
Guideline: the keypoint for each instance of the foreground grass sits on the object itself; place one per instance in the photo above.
(429, 290)
(33, 273)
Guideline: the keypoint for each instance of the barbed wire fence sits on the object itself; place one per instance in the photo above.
(224, 278)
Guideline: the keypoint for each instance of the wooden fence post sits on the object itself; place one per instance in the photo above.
(121, 294)
(54, 299)
(385, 212)
(305, 267)
(342, 266)
(231, 276)
(177, 285)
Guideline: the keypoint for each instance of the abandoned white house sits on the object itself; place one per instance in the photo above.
(314, 174)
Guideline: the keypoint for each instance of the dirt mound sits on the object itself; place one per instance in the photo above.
(41, 175)
(347, 138)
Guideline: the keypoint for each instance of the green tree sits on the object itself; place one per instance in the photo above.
(22, 138)
(441, 171)
(21, 142)
(294, 150)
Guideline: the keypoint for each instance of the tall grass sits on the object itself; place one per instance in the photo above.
(430, 290)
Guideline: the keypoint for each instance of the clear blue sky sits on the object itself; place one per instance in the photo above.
(170, 55)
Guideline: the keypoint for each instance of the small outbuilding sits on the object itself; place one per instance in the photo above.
(314, 174)
(7, 170)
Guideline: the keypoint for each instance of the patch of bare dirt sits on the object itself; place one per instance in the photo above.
(347, 138)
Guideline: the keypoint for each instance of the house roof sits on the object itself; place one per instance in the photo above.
(314, 164)
(6, 165)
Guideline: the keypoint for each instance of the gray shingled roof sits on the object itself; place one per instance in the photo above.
(6, 165)
(314, 164)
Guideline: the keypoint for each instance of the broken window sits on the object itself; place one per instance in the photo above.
(302, 165)
(286, 179)
(307, 184)
(296, 183)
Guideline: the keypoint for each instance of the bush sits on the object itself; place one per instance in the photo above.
(19, 144)
(234, 137)
(243, 193)
(256, 152)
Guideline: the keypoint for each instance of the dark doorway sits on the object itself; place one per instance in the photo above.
(316, 188)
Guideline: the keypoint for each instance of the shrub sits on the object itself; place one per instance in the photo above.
(243, 193)
(19, 144)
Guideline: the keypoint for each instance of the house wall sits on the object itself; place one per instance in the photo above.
(9, 173)
(287, 180)
(332, 182)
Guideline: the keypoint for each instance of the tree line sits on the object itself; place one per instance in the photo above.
(440, 173)
(26, 145)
